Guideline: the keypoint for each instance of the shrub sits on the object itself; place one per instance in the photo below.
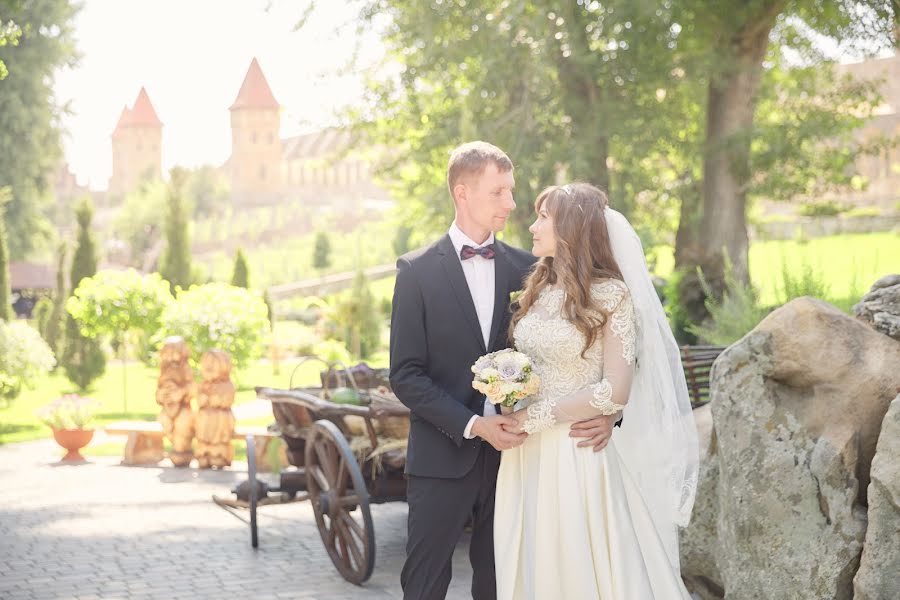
(826, 208)
(220, 316)
(24, 357)
(803, 281)
(735, 315)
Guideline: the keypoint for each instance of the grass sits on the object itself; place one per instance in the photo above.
(848, 263)
(19, 423)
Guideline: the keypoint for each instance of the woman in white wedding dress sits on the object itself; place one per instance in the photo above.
(571, 523)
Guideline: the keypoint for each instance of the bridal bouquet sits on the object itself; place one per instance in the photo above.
(505, 377)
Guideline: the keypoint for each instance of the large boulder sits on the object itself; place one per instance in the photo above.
(881, 306)
(797, 406)
(698, 543)
(878, 577)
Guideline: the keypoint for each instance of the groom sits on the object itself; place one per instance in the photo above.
(451, 306)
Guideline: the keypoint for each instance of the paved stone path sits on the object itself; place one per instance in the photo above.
(101, 530)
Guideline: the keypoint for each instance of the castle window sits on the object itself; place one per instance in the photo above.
(270, 138)
(253, 138)
(262, 172)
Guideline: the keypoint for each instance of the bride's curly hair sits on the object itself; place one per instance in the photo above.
(583, 256)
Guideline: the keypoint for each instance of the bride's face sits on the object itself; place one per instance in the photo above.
(544, 242)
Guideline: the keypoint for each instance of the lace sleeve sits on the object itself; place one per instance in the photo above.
(610, 394)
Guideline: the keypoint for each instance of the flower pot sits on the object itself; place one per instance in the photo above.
(73, 440)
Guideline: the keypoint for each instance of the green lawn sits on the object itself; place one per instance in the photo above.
(849, 264)
(19, 423)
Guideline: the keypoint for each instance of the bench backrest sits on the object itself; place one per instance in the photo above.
(697, 362)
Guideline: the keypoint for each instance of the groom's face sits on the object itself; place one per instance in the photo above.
(488, 198)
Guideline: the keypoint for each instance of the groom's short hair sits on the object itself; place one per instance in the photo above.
(471, 158)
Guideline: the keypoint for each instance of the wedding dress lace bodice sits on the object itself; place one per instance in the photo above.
(573, 387)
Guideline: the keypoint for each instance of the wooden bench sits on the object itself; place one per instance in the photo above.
(697, 362)
(145, 441)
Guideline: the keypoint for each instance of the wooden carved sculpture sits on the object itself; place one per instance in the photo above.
(215, 421)
(174, 391)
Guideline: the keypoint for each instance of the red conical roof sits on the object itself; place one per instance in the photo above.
(143, 115)
(255, 91)
(124, 120)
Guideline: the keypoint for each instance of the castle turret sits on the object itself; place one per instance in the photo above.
(137, 146)
(255, 163)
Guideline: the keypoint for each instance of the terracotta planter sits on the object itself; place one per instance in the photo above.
(73, 440)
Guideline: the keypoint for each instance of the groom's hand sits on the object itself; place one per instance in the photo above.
(597, 431)
(491, 429)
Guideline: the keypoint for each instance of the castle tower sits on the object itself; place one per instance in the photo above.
(137, 146)
(255, 163)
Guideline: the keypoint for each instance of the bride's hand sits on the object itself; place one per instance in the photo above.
(519, 416)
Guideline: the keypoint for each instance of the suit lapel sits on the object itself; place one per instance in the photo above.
(456, 277)
(502, 270)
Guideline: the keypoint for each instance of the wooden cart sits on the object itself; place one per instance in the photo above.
(341, 462)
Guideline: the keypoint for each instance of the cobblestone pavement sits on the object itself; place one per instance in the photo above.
(100, 530)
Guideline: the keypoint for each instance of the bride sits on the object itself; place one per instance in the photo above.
(571, 523)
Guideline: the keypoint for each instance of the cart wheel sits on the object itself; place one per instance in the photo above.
(251, 473)
(340, 502)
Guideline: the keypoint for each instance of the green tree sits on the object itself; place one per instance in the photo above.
(6, 312)
(36, 40)
(9, 35)
(176, 260)
(41, 313)
(734, 42)
(322, 251)
(207, 190)
(569, 90)
(220, 316)
(119, 305)
(83, 358)
(240, 275)
(358, 317)
(56, 320)
(139, 222)
(24, 358)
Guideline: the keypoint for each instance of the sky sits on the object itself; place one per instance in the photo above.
(192, 57)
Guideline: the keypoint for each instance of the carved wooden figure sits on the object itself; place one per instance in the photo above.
(215, 421)
(174, 390)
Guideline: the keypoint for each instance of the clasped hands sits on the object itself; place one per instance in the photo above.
(504, 431)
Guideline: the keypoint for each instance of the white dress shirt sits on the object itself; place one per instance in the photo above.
(479, 273)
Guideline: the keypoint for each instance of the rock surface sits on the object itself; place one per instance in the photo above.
(797, 407)
(878, 577)
(881, 306)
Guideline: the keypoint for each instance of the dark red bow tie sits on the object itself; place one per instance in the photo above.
(468, 252)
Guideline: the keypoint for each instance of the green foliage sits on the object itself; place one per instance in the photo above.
(270, 309)
(30, 116)
(113, 303)
(207, 190)
(401, 240)
(83, 358)
(41, 313)
(826, 208)
(240, 276)
(139, 222)
(9, 35)
(6, 311)
(676, 310)
(801, 281)
(176, 261)
(358, 319)
(734, 315)
(333, 352)
(53, 332)
(24, 358)
(322, 251)
(220, 316)
(579, 87)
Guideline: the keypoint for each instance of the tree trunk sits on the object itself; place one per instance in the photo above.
(726, 163)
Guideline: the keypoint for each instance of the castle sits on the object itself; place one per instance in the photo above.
(262, 167)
